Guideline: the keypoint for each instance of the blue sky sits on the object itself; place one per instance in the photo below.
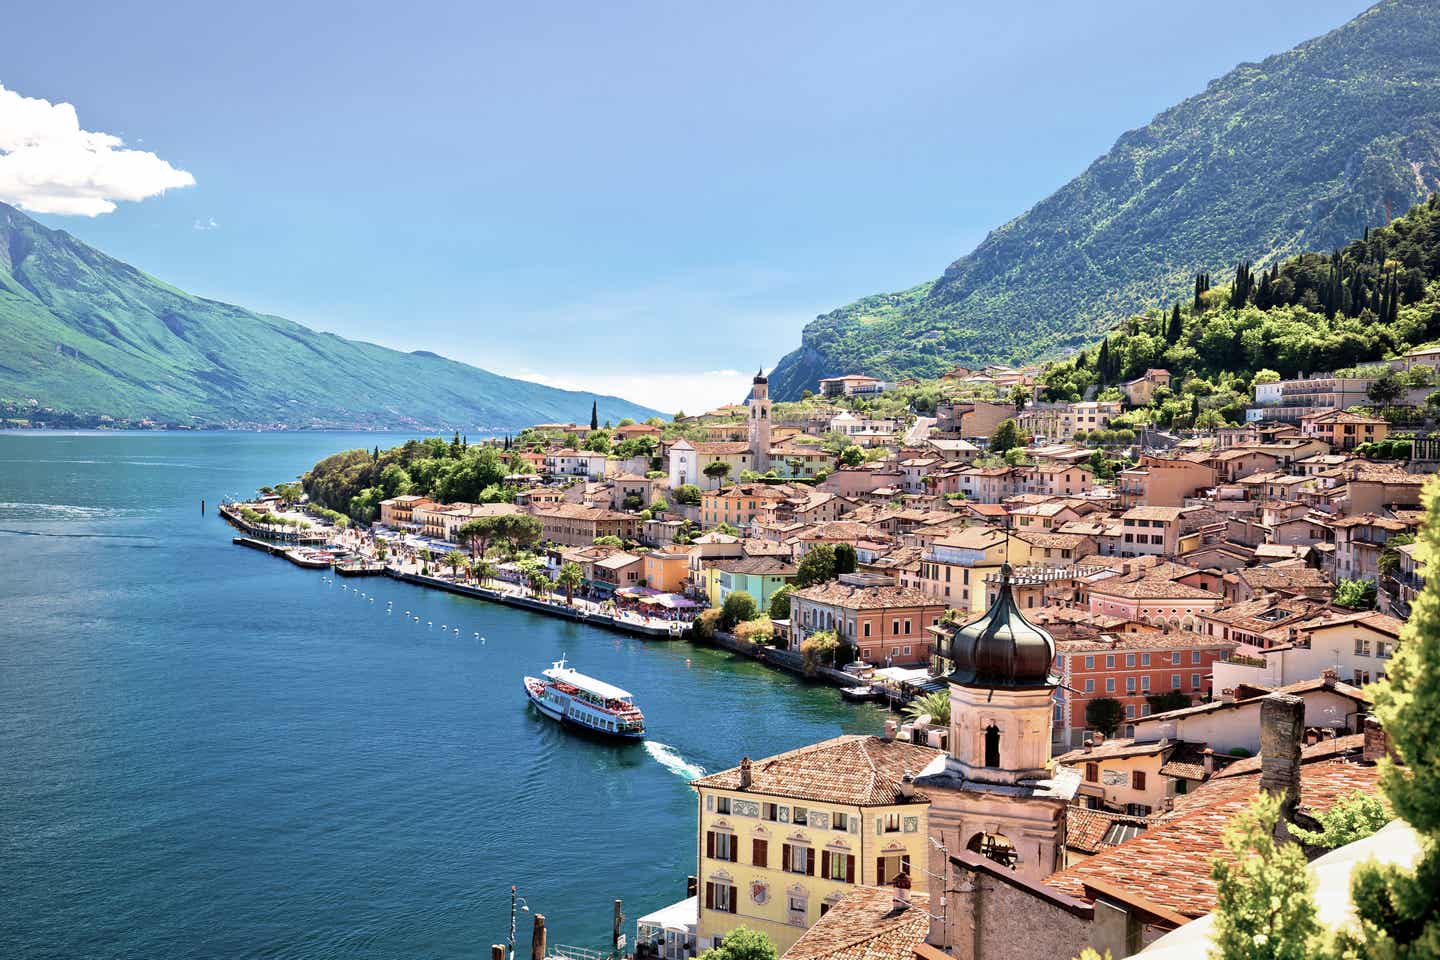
(650, 199)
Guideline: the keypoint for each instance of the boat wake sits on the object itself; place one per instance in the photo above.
(666, 756)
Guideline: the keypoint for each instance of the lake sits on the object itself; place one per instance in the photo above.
(208, 752)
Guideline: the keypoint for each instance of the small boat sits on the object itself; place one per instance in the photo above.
(562, 693)
(860, 694)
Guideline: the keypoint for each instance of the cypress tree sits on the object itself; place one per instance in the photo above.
(1177, 328)
(594, 414)
(1102, 366)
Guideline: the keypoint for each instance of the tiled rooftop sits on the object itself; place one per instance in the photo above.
(856, 770)
(866, 925)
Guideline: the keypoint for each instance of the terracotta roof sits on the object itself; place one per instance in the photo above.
(574, 511)
(1087, 830)
(837, 594)
(866, 925)
(1129, 642)
(766, 566)
(1304, 686)
(1152, 513)
(1150, 588)
(850, 769)
(1276, 577)
(1324, 750)
(1169, 864)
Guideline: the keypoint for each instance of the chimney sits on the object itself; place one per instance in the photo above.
(890, 727)
(1088, 745)
(1209, 761)
(1097, 738)
(745, 773)
(1282, 721)
(907, 788)
(1376, 741)
(537, 938)
(901, 899)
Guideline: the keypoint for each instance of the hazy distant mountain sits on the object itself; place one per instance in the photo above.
(85, 333)
(1299, 152)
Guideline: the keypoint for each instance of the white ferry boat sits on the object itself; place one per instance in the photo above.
(564, 694)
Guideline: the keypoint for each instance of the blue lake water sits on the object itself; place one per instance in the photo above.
(208, 752)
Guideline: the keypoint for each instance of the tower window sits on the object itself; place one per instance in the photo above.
(992, 746)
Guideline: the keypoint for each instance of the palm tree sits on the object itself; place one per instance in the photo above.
(571, 577)
(936, 704)
(483, 570)
(454, 560)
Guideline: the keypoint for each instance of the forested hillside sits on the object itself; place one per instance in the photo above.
(1300, 152)
(1377, 297)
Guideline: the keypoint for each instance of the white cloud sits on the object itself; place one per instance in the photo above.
(48, 164)
(206, 223)
(691, 392)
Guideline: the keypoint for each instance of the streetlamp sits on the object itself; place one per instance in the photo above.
(520, 904)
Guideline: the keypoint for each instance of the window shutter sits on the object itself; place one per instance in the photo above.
(905, 863)
(825, 864)
(785, 862)
(880, 871)
(759, 855)
(810, 861)
(849, 868)
(710, 844)
(709, 896)
(734, 849)
(733, 899)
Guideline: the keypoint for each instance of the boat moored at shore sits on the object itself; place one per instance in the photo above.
(563, 693)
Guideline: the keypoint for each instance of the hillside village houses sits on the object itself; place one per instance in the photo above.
(1190, 588)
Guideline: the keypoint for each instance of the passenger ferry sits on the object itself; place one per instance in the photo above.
(564, 694)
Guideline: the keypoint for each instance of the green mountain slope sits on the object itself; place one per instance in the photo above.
(85, 333)
(1300, 152)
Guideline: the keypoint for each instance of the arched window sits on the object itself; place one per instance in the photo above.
(992, 746)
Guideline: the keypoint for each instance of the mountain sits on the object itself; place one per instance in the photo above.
(1299, 152)
(84, 333)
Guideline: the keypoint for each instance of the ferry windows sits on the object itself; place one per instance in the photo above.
(722, 804)
(841, 821)
(800, 817)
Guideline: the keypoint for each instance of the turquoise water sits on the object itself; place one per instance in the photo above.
(208, 752)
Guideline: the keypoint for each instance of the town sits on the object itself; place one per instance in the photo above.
(1101, 642)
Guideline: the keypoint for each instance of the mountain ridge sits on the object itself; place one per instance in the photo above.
(1299, 151)
(86, 333)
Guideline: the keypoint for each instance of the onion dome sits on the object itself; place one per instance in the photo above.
(1002, 648)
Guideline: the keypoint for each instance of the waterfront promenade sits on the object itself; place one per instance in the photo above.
(407, 565)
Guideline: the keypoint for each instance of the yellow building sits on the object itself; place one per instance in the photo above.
(739, 504)
(783, 839)
(954, 567)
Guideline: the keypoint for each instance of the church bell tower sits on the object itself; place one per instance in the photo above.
(995, 792)
(760, 422)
